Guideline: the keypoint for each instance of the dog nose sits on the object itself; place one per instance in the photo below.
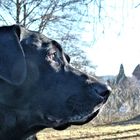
(102, 90)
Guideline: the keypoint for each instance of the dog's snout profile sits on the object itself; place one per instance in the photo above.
(101, 89)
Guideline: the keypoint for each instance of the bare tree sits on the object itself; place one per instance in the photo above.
(41, 12)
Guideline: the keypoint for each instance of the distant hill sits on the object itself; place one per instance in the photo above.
(120, 78)
(136, 72)
(108, 79)
(124, 101)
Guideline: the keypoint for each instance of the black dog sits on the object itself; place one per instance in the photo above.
(39, 88)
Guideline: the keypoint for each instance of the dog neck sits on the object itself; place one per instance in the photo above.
(11, 123)
(18, 124)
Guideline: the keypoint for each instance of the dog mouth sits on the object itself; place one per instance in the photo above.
(83, 114)
(62, 124)
(83, 118)
(79, 119)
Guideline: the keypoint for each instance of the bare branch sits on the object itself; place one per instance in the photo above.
(137, 5)
(2, 18)
(8, 10)
(30, 12)
(47, 16)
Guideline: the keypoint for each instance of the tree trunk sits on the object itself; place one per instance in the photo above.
(18, 8)
(24, 13)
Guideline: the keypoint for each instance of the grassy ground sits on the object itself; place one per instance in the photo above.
(119, 131)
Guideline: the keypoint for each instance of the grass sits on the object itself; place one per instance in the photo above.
(90, 132)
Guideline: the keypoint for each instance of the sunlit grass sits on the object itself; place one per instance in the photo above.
(89, 132)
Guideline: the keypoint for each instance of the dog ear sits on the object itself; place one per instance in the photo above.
(12, 59)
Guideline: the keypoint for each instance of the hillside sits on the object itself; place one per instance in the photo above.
(136, 72)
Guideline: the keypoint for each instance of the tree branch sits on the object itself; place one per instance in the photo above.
(137, 5)
(2, 18)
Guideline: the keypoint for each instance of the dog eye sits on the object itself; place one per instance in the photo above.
(52, 56)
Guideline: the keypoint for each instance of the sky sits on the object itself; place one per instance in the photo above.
(117, 46)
